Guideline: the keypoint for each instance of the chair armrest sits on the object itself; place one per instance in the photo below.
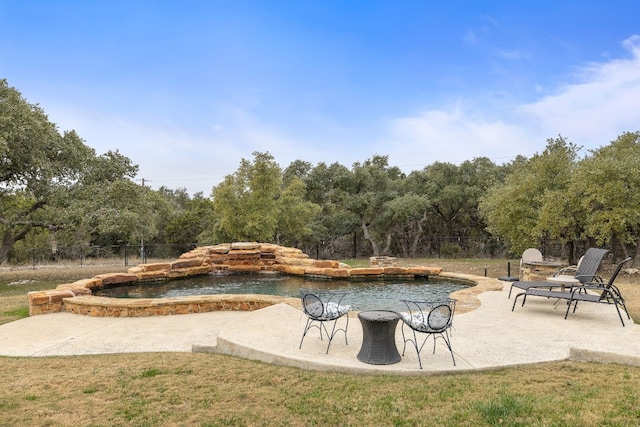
(566, 271)
(589, 278)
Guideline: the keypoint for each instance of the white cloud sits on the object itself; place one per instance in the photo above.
(453, 136)
(166, 153)
(597, 108)
(196, 158)
(593, 110)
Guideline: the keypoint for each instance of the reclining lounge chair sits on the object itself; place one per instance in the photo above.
(585, 273)
(598, 292)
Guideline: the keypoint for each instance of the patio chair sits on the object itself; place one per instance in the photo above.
(584, 273)
(322, 308)
(528, 256)
(595, 291)
(432, 318)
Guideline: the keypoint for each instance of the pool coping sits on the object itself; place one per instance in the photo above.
(240, 258)
(99, 306)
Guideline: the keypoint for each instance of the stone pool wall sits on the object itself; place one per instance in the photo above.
(383, 261)
(240, 257)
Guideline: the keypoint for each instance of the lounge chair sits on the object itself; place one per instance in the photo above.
(321, 308)
(596, 291)
(433, 318)
(585, 273)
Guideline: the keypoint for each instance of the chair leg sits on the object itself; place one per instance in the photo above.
(447, 341)
(415, 343)
(617, 301)
(334, 331)
(569, 303)
(330, 337)
(345, 330)
(304, 333)
(515, 300)
(404, 341)
(619, 314)
(444, 335)
(310, 324)
(624, 306)
(510, 290)
(346, 326)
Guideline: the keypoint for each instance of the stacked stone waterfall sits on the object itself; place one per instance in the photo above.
(238, 257)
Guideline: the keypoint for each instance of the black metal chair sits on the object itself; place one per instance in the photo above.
(321, 308)
(433, 318)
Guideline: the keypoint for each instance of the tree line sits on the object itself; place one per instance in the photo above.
(53, 187)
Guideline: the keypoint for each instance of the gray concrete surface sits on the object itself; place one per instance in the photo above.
(489, 337)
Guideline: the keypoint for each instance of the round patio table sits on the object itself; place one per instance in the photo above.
(379, 337)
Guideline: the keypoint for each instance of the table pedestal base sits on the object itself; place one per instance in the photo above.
(379, 337)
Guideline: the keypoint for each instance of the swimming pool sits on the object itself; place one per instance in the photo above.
(362, 295)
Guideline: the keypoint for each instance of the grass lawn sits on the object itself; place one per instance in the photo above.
(166, 389)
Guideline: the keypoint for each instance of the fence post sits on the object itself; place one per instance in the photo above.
(355, 245)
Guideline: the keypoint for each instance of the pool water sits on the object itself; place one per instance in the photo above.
(362, 295)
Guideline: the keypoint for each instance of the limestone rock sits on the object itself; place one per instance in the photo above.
(245, 245)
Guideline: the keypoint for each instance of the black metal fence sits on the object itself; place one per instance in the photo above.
(126, 255)
(351, 246)
(478, 246)
(339, 248)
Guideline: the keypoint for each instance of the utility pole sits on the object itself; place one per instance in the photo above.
(145, 181)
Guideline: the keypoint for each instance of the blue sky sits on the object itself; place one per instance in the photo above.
(186, 89)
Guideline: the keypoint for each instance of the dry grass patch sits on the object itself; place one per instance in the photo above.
(59, 274)
(16, 283)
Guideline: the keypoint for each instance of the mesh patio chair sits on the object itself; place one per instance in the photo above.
(432, 318)
(585, 272)
(322, 308)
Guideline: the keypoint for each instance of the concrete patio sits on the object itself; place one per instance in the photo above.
(489, 337)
